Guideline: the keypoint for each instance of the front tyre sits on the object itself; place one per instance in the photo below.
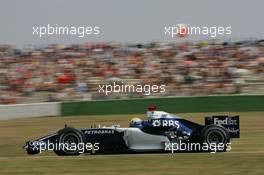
(69, 141)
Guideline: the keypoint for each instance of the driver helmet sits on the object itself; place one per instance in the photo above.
(135, 122)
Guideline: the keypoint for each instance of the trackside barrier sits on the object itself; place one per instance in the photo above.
(228, 103)
(30, 110)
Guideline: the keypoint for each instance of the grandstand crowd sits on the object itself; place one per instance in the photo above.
(73, 72)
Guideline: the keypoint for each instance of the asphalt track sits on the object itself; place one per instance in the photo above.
(84, 156)
(245, 157)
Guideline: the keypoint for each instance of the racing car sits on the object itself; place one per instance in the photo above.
(162, 132)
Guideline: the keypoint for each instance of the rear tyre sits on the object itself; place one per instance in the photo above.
(68, 137)
(216, 137)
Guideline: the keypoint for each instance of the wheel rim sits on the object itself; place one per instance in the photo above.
(215, 137)
(69, 139)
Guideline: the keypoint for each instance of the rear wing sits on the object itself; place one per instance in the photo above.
(231, 123)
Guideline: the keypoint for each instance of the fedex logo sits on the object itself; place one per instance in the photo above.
(226, 121)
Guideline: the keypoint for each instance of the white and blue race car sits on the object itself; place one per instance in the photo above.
(160, 133)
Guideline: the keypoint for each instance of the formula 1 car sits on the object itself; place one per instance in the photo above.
(155, 135)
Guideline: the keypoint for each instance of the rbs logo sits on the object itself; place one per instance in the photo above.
(165, 123)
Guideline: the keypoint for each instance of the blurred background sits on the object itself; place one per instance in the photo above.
(131, 49)
(74, 72)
